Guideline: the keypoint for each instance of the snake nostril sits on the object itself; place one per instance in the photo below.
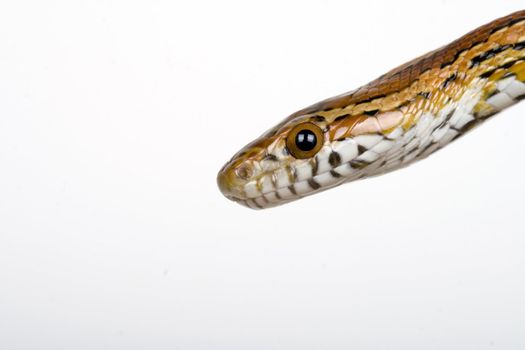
(244, 172)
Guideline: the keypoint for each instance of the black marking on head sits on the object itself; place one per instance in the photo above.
(335, 173)
(292, 189)
(341, 139)
(314, 184)
(277, 195)
(426, 94)
(456, 56)
(413, 150)
(315, 165)
(406, 103)
(492, 93)
(508, 75)
(446, 64)
(361, 149)
(334, 159)
(488, 73)
(292, 173)
(509, 64)
(487, 54)
(358, 164)
(371, 112)
(450, 79)
(271, 157)
(318, 118)
(443, 123)
(450, 114)
(519, 46)
(520, 97)
(341, 117)
(273, 179)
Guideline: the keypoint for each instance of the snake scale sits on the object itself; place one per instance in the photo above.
(399, 118)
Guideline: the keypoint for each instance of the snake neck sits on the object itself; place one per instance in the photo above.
(473, 79)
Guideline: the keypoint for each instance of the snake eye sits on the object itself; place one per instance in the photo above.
(304, 140)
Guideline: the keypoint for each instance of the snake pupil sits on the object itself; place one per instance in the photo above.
(305, 140)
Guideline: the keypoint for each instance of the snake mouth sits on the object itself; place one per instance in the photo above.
(270, 198)
(291, 181)
(263, 201)
(297, 190)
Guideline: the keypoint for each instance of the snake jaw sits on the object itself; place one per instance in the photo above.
(265, 177)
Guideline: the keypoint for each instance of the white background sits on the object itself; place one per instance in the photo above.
(115, 117)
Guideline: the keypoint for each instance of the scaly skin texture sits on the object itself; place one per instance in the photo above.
(401, 117)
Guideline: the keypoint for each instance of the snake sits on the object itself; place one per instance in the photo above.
(397, 119)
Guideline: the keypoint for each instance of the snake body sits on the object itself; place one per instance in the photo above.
(389, 123)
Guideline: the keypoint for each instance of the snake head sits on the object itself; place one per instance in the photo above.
(308, 153)
(292, 160)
